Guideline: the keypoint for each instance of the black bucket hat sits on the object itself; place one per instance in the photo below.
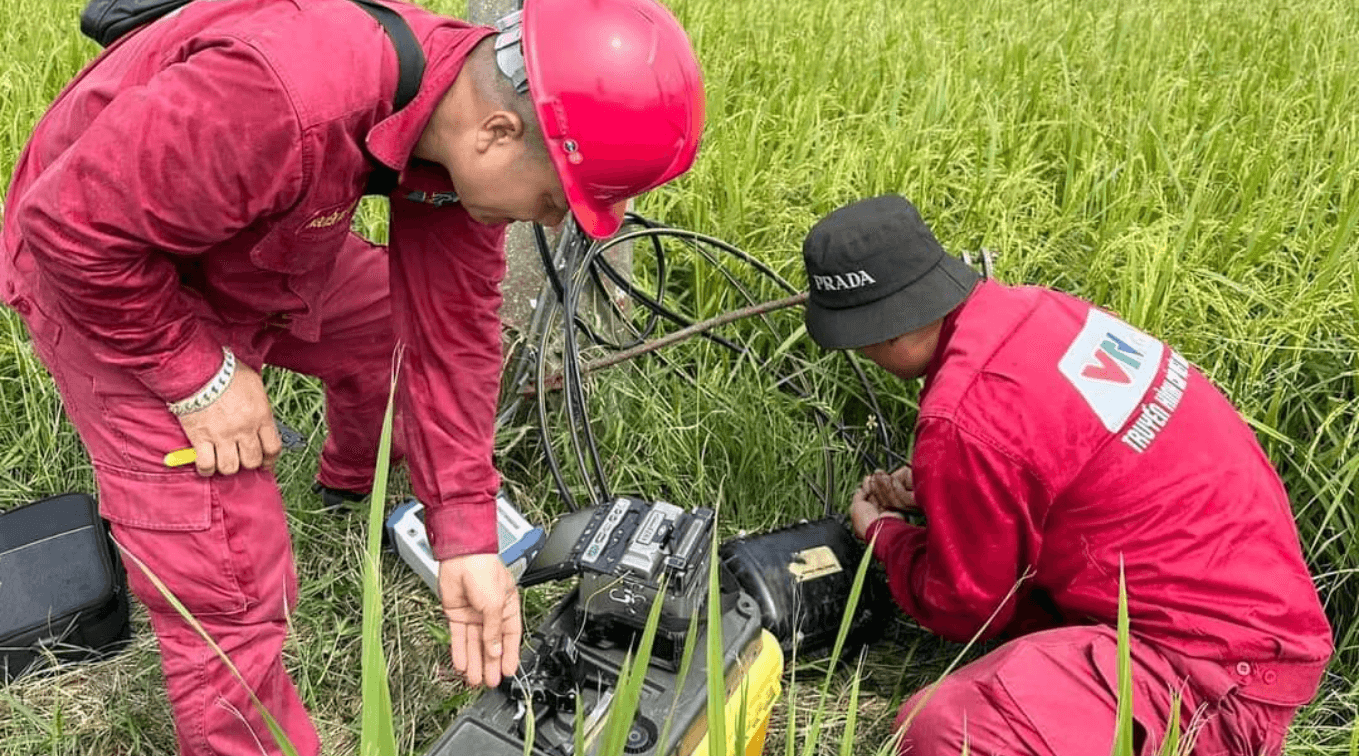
(875, 272)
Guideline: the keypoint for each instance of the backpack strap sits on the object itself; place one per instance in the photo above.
(409, 56)
(106, 20)
(411, 69)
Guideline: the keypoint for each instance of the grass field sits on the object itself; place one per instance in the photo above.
(1191, 165)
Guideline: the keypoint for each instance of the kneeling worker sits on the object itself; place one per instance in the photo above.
(1053, 442)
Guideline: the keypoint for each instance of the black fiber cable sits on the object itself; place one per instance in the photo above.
(570, 360)
(653, 319)
(783, 384)
(577, 254)
(662, 274)
(540, 238)
(569, 357)
(545, 254)
(543, 426)
(582, 262)
(679, 233)
(658, 307)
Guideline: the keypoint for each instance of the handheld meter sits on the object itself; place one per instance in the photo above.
(519, 540)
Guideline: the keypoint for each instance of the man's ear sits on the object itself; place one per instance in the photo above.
(499, 129)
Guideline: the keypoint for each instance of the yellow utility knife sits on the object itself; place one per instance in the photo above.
(181, 457)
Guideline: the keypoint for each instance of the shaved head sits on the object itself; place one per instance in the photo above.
(498, 90)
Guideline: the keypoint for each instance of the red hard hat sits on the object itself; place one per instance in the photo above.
(619, 97)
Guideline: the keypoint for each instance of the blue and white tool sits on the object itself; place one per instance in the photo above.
(519, 539)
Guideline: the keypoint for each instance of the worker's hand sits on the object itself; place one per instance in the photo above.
(864, 510)
(893, 491)
(481, 603)
(236, 431)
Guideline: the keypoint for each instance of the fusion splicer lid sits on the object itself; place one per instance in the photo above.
(643, 540)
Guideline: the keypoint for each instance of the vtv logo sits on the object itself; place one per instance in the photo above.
(1107, 358)
(1111, 364)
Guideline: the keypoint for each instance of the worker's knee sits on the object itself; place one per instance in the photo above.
(939, 718)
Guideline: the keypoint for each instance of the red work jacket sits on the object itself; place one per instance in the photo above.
(207, 167)
(1054, 440)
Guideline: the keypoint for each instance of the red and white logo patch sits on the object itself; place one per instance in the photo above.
(1112, 365)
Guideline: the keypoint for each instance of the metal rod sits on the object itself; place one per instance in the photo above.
(555, 381)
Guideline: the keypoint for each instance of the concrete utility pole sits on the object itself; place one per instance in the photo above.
(524, 275)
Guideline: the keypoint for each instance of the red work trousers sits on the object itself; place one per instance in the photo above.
(221, 544)
(1054, 693)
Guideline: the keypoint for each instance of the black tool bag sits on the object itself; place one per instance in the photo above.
(63, 592)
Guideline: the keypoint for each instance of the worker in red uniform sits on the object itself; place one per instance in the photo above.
(181, 217)
(1055, 446)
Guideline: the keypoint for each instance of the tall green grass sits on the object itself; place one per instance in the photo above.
(377, 737)
(1191, 165)
(1123, 717)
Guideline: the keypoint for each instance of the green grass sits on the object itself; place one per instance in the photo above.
(1191, 165)
(377, 737)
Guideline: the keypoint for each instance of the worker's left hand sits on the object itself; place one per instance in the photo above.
(894, 491)
(481, 603)
(864, 509)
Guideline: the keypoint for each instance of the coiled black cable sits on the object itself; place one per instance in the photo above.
(582, 261)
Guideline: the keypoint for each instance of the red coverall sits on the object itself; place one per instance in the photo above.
(193, 188)
(1053, 439)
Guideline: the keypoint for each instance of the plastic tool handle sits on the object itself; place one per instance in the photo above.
(181, 457)
(291, 440)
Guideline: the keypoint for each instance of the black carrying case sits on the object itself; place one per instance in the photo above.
(63, 592)
(802, 576)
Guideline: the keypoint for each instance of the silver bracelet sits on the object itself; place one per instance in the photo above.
(212, 391)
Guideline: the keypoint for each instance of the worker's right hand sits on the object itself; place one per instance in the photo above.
(236, 431)
(485, 624)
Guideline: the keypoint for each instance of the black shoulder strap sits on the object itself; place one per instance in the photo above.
(106, 20)
(410, 57)
(411, 67)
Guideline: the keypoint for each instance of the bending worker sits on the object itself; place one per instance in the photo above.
(181, 216)
(1055, 443)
